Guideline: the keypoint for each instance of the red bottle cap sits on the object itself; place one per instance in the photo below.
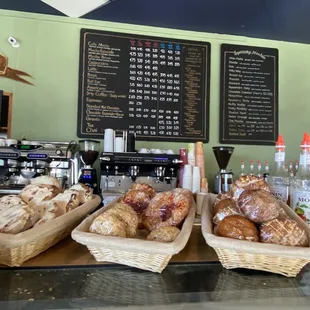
(306, 141)
(280, 145)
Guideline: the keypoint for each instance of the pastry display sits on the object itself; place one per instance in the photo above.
(164, 234)
(284, 231)
(38, 203)
(160, 214)
(250, 212)
(237, 227)
(225, 208)
(258, 205)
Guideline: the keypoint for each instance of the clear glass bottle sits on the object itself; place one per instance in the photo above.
(279, 179)
(266, 173)
(296, 166)
(242, 169)
(300, 184)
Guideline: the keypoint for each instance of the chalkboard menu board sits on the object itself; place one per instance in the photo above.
(155, 87)
(249, 95)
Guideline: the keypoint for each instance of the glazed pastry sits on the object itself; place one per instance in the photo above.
(225, 208)
(144, 187)
(248, 182)
(138, 200)
(17, 219)
(284, 231)
(166, 209)
(34, 193)
(259, 205)
(184, 191)
(45, 179)
(108, 225)
(237, 227)
(86, 192)
(164, 234)
(127, 215)
(219, 197)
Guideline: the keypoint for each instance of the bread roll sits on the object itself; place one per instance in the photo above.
(127, 215)
(164, 234)
(248, 182)
(45, 179)
(34, 193)
(108, 225)
(237, 227)
(225, 208)
(258, 205)
(284, 231)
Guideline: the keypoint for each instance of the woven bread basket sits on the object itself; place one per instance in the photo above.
(139, 253)
(232, 253)
(18, 248)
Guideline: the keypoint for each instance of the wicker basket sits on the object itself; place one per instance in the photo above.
(16, 249)
(284, 260)
(139, 253)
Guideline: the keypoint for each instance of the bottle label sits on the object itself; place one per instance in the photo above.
(279, 156)
(301, 205)
(302, 159)
(281, 192)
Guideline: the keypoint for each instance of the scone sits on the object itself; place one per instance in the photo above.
(108, 225)
(127, 215)
(164, 234)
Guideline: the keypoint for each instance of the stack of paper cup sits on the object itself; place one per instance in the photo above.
(196, 179)
(191, 154)
(108, 144)
(188, 177)
(119, 144)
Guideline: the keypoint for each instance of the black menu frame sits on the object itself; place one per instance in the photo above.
(204, 112)
(268, 65)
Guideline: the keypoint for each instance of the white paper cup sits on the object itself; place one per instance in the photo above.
(119, 144)
(108, 143)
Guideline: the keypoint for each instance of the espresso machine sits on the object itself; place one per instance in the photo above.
(120, 170)
(25, 160)
(224, 177)
(89, 151)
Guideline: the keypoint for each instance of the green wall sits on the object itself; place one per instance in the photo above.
(49, 51)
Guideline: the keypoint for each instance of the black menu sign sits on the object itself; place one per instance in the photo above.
(249, 95)
(155, 87)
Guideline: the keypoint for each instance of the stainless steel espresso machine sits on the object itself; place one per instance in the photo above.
(120, 170)
(21, 162)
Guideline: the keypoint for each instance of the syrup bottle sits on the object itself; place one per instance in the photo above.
(251, 168)
(259, 169)
(279, 180)
(242, 169)
(266, 173)
(300, 184)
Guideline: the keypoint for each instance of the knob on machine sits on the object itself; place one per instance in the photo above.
(89, 152)
(224, 177)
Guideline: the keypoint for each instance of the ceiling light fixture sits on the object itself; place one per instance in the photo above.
(76, 8)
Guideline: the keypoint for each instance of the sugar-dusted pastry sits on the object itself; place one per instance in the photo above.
(9, 201)
(72, 199)
(50, 210)
(45, 179)
(17, 218)
(35, 193)
(138, 200)
(164, 234)
(108, 225)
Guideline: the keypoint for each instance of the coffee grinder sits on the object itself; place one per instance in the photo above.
(224, 178)
(89, 151)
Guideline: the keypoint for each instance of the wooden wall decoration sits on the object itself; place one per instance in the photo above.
(10, 73)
